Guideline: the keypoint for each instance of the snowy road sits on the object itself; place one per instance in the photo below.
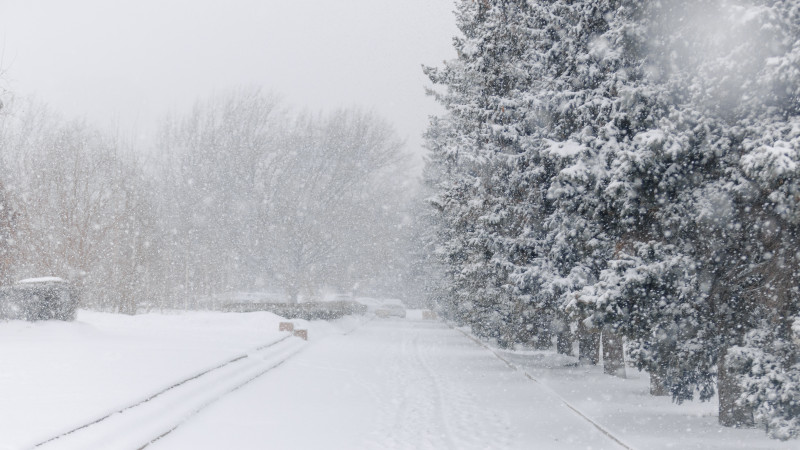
(379, 384)
(357, 383)
(390, 384)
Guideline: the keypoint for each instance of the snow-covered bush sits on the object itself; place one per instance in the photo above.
(769, 370)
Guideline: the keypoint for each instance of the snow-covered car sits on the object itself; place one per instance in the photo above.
(391, 310)
(45, 298)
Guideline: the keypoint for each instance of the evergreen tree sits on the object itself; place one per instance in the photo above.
(478, 148)
(629, 166)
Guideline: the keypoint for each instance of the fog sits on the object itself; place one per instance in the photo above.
(123, 65)
(227, 101)
(585, 236)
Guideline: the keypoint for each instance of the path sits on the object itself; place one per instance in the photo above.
(392, 384)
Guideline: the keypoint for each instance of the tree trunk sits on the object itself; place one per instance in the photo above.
(588, 345)
(613, 354)
(564, 342)
(730, 414)
(544, 333)
(544, 339)
(657, 386)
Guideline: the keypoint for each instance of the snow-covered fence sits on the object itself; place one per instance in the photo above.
(306, 311)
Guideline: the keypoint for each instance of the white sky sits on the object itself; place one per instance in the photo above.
(123, 64)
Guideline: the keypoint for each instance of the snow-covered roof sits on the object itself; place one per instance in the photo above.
(43, 280)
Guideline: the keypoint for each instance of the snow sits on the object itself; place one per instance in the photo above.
(767, 161)
(43, 280)
(56, 375)
(391, 384)
(359, 382)
(565, 149)
(650, 138)
(626, 408)
(796, 327)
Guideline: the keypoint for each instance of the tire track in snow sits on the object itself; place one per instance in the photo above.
(205, 387)
(410, 403)
(426, 405)
(251, 369)
(438, 395)
(219, 397)
(159, 393)
(407, 412)
(464, 412)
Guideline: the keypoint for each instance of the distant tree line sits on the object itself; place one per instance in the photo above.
(240, 193)
(627, 171)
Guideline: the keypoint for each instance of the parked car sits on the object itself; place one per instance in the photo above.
(46, 298)
(391, 310)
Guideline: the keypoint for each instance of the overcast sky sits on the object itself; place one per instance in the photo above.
(126, 63)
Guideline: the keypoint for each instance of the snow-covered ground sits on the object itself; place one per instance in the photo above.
(626, 408)
(55, 376)
(357, 383)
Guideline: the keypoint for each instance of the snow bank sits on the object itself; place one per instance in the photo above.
(56, 375)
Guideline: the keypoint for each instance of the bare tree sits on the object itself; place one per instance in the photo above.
(328, 196)
(211, 161)
(73, 191)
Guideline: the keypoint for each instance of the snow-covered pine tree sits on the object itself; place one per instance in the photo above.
(656, 158)
(627, 186)
(728, 216)
(590, 107)
(556, 105)
(476, 147)
(765, 189)
(688, 276)
(769, 368)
